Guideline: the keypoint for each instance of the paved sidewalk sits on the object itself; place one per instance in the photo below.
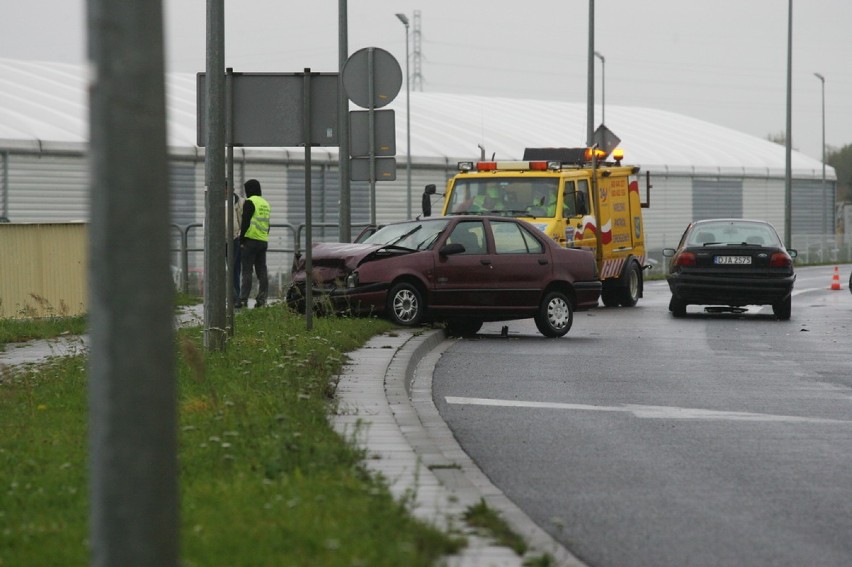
(385, 406)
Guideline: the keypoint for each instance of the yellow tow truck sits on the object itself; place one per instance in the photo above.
(575, 196)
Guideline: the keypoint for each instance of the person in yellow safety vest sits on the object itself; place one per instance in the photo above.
(254, 241)
(545, 199)
(489, 201)
(551, 203)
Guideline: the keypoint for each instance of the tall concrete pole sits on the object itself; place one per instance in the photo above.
(133, 473)
(214, 224)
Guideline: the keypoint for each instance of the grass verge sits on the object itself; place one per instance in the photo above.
(264, 479)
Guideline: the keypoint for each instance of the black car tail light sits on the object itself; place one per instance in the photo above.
(685, 259)
(780, 260)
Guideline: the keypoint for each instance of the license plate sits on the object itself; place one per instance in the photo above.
(732, 259)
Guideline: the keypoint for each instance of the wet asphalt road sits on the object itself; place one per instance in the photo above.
(643, 440)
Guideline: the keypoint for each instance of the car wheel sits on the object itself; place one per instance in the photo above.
(463, 327)
(783, 308)
(677, 306)
(555, 316)
(295, 299)
(629, 292)
(405, 305)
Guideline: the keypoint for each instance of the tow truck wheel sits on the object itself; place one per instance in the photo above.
(632, 283)
(405, 305)
(555, 316)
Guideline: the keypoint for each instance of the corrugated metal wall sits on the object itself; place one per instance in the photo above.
(52, 186)
(44, 270)
(717, 198)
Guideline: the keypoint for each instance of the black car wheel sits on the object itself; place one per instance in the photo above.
(677, 306)
(405, 305)
(610, 293)
(295, 299)
(555, 316)
(463, 327)
(783, 308)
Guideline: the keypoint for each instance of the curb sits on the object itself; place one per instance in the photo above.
(385, 407)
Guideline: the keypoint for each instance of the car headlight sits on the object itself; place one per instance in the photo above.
(352, 280)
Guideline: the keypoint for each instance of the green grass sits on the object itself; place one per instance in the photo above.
(20, 330)
(264, 480)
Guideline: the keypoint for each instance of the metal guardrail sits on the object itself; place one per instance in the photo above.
(293, 234)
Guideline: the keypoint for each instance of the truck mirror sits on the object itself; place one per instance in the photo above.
(426, 203)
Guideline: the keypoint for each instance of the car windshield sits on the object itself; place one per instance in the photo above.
(415, 235)
(507, 196)
(734, 233)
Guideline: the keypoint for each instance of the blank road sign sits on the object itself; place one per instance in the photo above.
(384, 127)
(268, 109)
(386, 77)
(359, 168)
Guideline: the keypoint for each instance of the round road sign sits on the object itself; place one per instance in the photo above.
(386, 77)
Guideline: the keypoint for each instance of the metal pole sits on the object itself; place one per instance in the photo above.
(132, 393)
(788, 145)
(371, 125)
(230, 191)
(214, 226)
(404, 19)
(345, 230)
(306, 136)
(590, 98)
(824, 219)
(603, 86)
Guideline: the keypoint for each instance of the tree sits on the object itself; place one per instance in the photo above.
(841, 161)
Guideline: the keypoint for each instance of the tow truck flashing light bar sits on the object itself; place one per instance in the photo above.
(537, 165)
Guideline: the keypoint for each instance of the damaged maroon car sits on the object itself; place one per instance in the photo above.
(460, 270)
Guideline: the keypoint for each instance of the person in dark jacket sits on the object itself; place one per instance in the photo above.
(254, 241)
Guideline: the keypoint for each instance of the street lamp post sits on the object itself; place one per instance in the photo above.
(824, 220)
(404, 19)
(603, 86)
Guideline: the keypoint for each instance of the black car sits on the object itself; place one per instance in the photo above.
(731, 263)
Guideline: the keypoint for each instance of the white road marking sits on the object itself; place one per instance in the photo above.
(647, 412)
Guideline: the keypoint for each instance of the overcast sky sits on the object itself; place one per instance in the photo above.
(723, 61)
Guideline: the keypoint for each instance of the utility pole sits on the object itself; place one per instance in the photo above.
(132, 383)
(214, 220)
(590, 98)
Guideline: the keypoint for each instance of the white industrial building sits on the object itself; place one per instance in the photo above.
(698, 169)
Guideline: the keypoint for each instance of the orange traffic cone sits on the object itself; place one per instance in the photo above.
(835, 279)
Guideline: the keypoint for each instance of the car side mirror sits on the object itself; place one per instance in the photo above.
(668, 252)
(450, 249)
(793, 252)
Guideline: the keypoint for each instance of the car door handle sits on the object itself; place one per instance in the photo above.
(542, 261)
(485, 262)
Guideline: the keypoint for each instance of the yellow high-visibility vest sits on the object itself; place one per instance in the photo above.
(259, 227)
